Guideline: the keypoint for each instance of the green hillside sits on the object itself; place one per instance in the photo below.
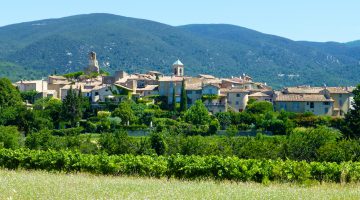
(137, 45)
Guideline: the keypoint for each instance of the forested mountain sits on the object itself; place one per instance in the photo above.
(35, 49)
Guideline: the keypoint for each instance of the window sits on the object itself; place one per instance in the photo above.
(237, 103)
(311, 104)
(340, 103)
(326, 103)
(237, 95)
(96, 93)
(198, 91)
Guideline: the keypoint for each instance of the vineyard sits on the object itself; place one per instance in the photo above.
(183, 167)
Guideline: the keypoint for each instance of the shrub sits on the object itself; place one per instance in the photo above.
(10, 137)
(303, 143)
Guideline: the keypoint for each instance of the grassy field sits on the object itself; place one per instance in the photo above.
(44, 185)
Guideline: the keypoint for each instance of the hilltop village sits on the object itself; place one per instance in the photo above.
(217, 94)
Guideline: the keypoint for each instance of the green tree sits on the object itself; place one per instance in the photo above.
(116, 143)
(173, 105)
(9, 95)
(352, 118)
(49, 108)
(259, 107)
(214, 126)
(158, 143)
(10, 137)
(303, 143)
(72, 110)
(197, 114)
(125, 112)
(29, 96)
(183, 98)
(224, 119)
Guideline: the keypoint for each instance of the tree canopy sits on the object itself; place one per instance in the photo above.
(197, 114)
(9, 95)
(352, 118)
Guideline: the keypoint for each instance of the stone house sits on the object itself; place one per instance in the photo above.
(301, 103)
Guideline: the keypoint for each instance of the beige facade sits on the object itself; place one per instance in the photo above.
(342, 100)
(341, 96)
(35, 85)
(167, 85)
(237, 99)
(299, 103)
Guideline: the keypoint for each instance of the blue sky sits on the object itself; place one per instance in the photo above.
(313, 20)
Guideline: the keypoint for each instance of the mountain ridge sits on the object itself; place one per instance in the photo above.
(138, 45)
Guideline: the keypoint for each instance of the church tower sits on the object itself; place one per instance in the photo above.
(93, 66)
(178, 68)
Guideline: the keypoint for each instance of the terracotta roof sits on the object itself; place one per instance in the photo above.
(206, 76)
(193, 87)
(234, 90)
(259, 94)
(148, 88)
(171, 78)
(338, 90)
(31, 82)
(303, 90)
(211, 84)
(126, 88)
(302, 97)
(58, 77)
(154, 72)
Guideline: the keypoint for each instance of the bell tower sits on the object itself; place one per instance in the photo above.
(93, 66)
(178, 68)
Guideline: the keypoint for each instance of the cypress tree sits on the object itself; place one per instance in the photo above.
(173, 105)
(183, 97)
(352, 118)
(71, 108)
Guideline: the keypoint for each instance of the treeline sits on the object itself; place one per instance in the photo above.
(309, 144)
(183, 167)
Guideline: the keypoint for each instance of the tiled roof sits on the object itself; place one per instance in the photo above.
(206, 76)
(211, 84)
(193, 87)
(148, 88)
(338, 90)
(259, 94)
(171, 78)
(58, 77)
(31, 82)
(302, 97)
(303, 90)
(234, 90)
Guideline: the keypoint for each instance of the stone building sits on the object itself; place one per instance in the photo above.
(93, 66)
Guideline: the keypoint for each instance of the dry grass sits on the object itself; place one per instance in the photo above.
(44, 185)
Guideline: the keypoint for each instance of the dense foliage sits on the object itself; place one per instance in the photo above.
(183, 167)
(134, 137)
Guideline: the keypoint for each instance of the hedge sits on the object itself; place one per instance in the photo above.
(182, 167)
